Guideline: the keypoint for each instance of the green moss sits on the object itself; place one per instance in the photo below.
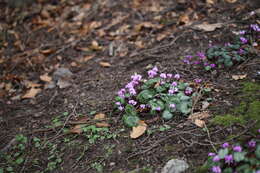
(240, 109)
(250, 87)
(202, 169)
(227, 120)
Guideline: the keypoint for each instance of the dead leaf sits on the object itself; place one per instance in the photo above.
(231, 1)
(139, 130)
(76, 129)
(45, 78)
(105, 64)
(139, 44)
(207, 27)
(211, 2)
(95, 45)
(47, 51)
(99, 116)
(102, 124)
(184, 19)
(239, 77)
(199, 115)
(199, 123)
(31, 93)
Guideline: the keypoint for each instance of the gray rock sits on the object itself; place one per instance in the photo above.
(63, 73)
(175, 166)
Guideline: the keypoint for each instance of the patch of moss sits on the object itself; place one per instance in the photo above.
(247, 110)
(227, 120)
(202, 169)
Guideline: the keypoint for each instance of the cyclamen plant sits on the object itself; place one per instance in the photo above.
(236, 158)
(229, 54)
(164, 94)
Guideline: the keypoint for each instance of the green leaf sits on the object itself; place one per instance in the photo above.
(228, 170)
(182, 85)
(120, 99)
(156, 103)
(160, 89)
(130, 110)
(222, 153)
(150, 83)
(1, 170)
(239, 156)
(242, 168)
(207, 68)
(145, 95)
(257, 151)
(19, 160)
(183, 107)
(130, 121)
(167, 115)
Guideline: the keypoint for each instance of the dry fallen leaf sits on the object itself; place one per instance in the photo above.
(102, 124)
(31, 93)
(199, 115)
(139, 130)
(184, 19)
(99, 116)
(76, 129)
(199, 123)
(211, 2)
(95, 45)
(238, 77)
(207, 27)
(105, 64)
(45, 78)
(231, 1)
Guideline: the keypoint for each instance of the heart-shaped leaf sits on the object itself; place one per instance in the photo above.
(167, 115)
(130, 120)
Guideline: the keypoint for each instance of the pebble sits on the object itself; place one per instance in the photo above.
(175, 166)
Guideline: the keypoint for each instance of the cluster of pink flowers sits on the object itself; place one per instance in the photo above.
(200, 58)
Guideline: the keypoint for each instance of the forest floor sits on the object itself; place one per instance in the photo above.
(103, 43)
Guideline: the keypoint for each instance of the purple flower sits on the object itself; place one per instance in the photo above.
(197, 80)
(216, 169)
(228, 159)
(212, 65)
(252, 13)
(258, 171)
(121, 108)
(174, 84)
(237, 148)
(162, 82)
(242, 32)
(189, 56)
(129, 85)
(153, 72)
(186, 61)
(252, 143)
(258, 130)
(225, 145)
(169, 75)
(216, 158)
(227, 44)
(158, 108)
(201, 55)
(142, 106)
(255, 27)
(241, 51)
(136, 77)
(171, 91)
(132, 102)
(212, 154)
(188, 90)
(196, 62)
(243, 40)
(177, 76)
(118, 103)
(255, 44)
(132, 91)
(163, 75)
(172, 106)
(121, 93)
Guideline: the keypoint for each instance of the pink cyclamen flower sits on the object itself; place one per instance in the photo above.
(252, 144)
(201, 55)
(163, 75)
(216, 158)
(121, 93)
(189, 56)
(198, 80)
(258, 130)
(136, 77)
(212, 154)
(255, 44)
(186, 61)
(212, 65)
(177, 76)
(243, 40)
(172, 106)
(121, 108)
(169, 75)
(255, 27)
(174, 84)
(237, 148)
(225, 145)
(242, 32)
(158, 108)
(228, 159)
(142, 106)
(216, 169)
(188, 90)
(132, 91)
(118, 103)
(132, 102)
(152, 73)
(171, 91)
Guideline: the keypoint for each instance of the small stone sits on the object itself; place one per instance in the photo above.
(112, 164)
(175, 166)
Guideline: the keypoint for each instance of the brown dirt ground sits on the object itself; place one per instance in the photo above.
(94, 86)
